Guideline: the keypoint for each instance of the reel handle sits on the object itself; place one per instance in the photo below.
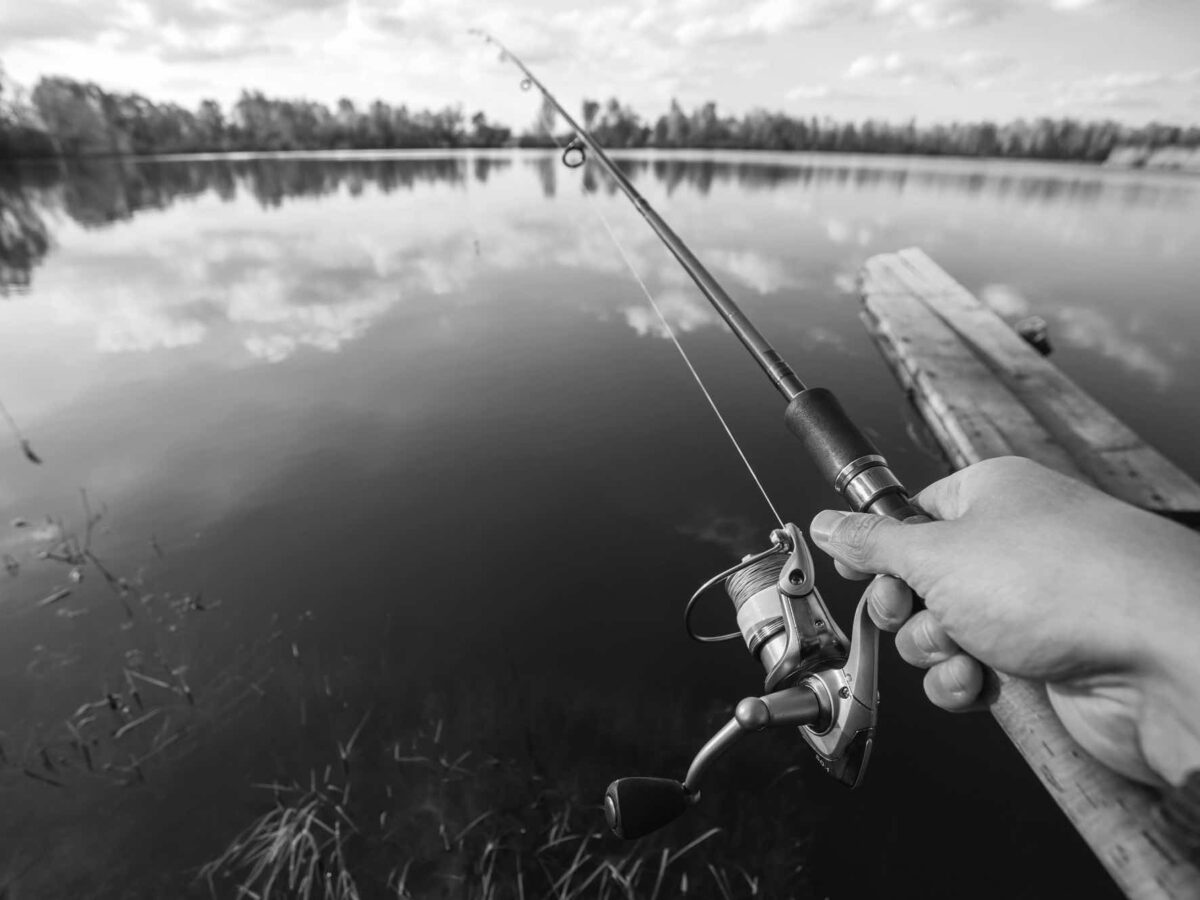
(634, 807)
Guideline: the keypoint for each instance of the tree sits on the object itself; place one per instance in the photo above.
(210, 122)
(485, 135)
(22, 132)
(675, 131)
(74, 116)
(590, 108)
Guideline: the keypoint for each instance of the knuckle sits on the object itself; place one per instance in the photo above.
(944, 687)
(1005, 466)
(922, 642)
(953, 684)
(882, 612)
(923, 638)
(933, 688)
(858, 536)
(908, 653)
(906, 644)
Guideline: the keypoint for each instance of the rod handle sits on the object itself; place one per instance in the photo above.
(899, 506)
(846, 457)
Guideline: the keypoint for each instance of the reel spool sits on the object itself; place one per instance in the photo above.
(787, 655)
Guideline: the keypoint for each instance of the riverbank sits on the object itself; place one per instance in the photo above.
(1167, 159)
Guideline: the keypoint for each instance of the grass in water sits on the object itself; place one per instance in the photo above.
(413, 818)
(297, 849)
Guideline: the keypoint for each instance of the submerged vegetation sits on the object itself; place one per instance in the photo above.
(145, 703)
(486, 791)
(415, 840)
(417, 816)
(64, 117)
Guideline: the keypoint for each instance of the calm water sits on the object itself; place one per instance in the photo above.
(398, 439)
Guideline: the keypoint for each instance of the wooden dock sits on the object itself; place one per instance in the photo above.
(984, 391)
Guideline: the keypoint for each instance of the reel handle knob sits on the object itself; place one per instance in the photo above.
(634, 807)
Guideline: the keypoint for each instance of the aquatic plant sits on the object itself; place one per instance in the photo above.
(418, 816)
(297, 849)
(144, 704)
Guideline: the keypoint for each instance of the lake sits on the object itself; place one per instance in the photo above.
(375, 485)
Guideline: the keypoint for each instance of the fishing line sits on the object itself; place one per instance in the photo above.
(818, 681)
(666, 326)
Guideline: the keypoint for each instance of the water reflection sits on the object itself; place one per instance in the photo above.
(97, 193)
(1093, 329)
(320, 387)
(24, 238)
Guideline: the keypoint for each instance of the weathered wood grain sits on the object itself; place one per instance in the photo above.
(984, 392)
(1100, 444)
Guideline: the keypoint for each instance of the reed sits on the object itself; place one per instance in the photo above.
(420, 815)
(297, 849)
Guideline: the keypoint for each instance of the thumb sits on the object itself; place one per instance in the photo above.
(869, 543)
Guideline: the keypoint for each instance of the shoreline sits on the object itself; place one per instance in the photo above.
(794, 158)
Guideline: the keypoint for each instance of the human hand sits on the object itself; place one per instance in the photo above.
(1040, 576)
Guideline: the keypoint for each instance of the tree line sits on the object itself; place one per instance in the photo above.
(616, 125)
(68, 118)
(64, 117)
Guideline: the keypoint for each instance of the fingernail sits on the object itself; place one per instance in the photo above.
(954, 680)
(823, 524)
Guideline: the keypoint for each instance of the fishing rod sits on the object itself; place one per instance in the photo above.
(817, 680)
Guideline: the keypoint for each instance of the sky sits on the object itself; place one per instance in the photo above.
(935, 60)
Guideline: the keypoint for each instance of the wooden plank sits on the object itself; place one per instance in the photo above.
(979, 416)
(971, 379)
(1101, 445)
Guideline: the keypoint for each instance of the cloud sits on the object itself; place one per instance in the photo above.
(971, 68)
(846, 282)
(822, 336)
(1120, 90)
(239, 288)
(1093, 330)
(1005, 299)
(736, 533)
(937, 15)
(65, 20)
(824, 92)
(931, 15)
(682, 309)
(762, 273)
(130, 327)
(716, 21)
(268, 294)
(199, 52)
(840, 231)
(270, 307)
(719, 21)
(175, 30)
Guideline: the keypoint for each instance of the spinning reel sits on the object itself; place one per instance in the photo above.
(817, 682)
